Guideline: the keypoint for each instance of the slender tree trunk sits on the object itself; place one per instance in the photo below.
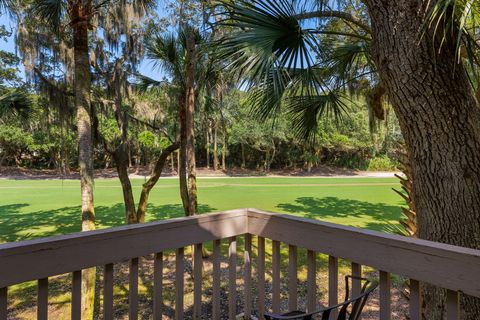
(190, 124)
(439, 117)
(147, 186)
(215, 147)
(209, 130)
(82, 85)
(242, 146)
(224, 152)
(121, 162)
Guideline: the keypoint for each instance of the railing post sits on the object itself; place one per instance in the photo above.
(275, 276)
(261, 276)
(133, 290)
(415, 300)
(179, 283)
(42, 299)
(197, 287)
(356, 284)
(77, 295)
(311, 281)
(333, 284)
(453, 305)
(292, 278)
(385, 299)
(232, 277)
(248, 275)
(158, 286)
(3, 303)
(108, 292)
(216, 280)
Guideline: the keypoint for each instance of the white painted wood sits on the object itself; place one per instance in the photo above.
(311, 281)
(453, 305)
(197, 281)
(385, 297)
(248, 275)
(61, 254)
(443, 265)
(216, 280)
(108, 292)
(3, 303)
(276, 276)
(179, 283)
(158, 286)
(42, 299)
(77, 295)
(261, 276)
(415, 300)
(292, 278)
(133, 290)
(333, 284)
(232, 278)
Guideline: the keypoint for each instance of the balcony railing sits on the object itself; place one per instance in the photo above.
(450, 267)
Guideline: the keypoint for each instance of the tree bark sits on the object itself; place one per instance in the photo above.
(215, 147)
(190, 125)
(439, 117)
(224, 152)
(82, 82)
(208, 133)
(147, 186)
(182, 155)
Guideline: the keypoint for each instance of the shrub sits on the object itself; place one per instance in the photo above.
(381, 163)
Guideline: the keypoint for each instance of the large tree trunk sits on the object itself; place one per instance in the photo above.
(182, 156)
(82, 85)
(439, 117)
(147, 186)
(190, 125)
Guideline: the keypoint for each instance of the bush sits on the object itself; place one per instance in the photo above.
(381, 163)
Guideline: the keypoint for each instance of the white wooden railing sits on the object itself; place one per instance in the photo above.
(453, 268)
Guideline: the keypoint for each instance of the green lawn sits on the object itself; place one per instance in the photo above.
(36, 208)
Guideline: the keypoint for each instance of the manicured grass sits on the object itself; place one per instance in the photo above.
(37, 208)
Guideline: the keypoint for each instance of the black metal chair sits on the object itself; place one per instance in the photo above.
(357, 303)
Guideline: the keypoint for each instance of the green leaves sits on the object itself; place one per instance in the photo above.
(15, 103)
(51, 11)
(277, 59)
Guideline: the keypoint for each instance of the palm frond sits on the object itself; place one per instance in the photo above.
(15, 103)
(51, 11)
(144, 84)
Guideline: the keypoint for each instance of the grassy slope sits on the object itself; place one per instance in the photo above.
(35, 208)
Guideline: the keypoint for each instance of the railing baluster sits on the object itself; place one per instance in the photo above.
(179, 283)
(3, 303)
(333, 284)
(261, 276)
(292, 278)
(108, 292)
(197, 281)
(42, 299)
(453, 305)
(385, 299)
(157, 286)
(232, 277)
(276, 276)
(133, 290)
(311, 281)
(248, 275)
(415, 300)
(216, 280)
(77, 295)
(356, 284)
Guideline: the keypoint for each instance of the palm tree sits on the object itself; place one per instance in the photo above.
(77, 18)
(416, 56)
(179, 56)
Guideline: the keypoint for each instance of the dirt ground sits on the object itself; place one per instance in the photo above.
(141, 172)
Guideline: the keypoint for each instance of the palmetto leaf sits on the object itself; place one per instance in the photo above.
(51, 11)
(276, 58)
(16, 103)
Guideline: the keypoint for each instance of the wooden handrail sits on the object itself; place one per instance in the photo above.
(450, 267)
(42, 258)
